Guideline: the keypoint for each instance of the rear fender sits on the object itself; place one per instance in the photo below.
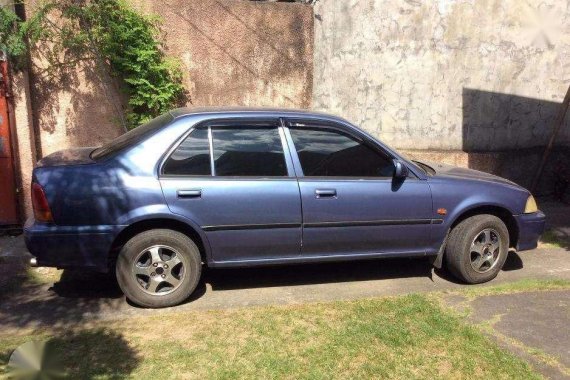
(161, 211)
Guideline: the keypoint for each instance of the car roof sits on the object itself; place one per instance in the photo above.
(279, 112)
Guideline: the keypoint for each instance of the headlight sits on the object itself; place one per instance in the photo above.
(530, 205)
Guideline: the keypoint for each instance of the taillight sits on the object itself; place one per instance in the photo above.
(42, 212)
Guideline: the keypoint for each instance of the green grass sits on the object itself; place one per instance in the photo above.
(524, 285)
(401, 337)
(553, 239)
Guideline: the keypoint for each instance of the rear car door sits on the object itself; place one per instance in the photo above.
(351, 202)
(235, 181)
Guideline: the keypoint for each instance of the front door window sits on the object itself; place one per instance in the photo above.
(330, 153)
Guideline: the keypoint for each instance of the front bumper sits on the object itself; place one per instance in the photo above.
(530, 227)
(70, 246)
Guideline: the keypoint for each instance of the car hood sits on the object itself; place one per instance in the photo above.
(443, 170)
(74, 156)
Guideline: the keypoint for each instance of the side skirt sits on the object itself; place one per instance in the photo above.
(315, 259)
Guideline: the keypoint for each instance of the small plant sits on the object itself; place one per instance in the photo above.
(122, 42)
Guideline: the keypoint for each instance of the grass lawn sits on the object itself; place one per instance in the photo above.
(555, 239)
(402, 337)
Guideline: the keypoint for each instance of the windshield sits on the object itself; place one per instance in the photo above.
(131, 137)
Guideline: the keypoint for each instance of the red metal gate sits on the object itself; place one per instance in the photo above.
(8, 207)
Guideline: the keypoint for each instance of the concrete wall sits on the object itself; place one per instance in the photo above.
(446, 75)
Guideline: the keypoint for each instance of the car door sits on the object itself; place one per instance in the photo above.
(351, 202)
(235, 181)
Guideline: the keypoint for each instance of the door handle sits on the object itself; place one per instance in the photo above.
(189, 193)
(325, 193)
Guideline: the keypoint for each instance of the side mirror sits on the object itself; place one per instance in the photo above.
(400, 169)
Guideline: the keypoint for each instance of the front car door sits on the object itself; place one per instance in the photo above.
(352, 205)
(234, 180)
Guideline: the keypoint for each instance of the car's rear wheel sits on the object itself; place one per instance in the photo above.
(159, 268)
(477, 248)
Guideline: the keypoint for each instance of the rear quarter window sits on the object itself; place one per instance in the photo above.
(191, 157)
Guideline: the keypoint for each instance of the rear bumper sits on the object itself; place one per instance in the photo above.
(530, 226)
(70, 246)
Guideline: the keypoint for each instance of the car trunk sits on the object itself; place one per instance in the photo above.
(74, 156)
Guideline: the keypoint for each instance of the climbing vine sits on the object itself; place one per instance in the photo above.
(114, 37)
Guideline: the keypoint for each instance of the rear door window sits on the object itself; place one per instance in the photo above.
(248, 151)
(243, 151)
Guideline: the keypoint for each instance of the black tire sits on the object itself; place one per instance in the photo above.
(459, 254)
(189, 267)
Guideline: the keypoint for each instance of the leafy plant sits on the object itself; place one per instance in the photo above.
(14, 34)
(118, 39)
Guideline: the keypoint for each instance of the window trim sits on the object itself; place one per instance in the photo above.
(328, 125)
(271, 122)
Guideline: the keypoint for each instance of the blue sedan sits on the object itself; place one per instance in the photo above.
(248, 187)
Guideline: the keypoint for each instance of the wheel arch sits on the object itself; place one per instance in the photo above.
(158, 223)
(500, 212)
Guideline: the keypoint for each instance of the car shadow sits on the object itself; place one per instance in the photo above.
(321, 273)
(80, 294)
(513, 262)
(82, 284)
(86, 284)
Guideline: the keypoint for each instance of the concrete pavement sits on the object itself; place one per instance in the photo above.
(532, 325)
(80, 296)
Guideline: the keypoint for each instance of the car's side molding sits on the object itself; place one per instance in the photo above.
(237, 227)
(386, 222)
(363, 223)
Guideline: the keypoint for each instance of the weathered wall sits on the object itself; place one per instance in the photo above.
(464, 75)
(232, 53)
(23, 143)
(241, 52)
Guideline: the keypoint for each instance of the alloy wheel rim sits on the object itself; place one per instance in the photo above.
(485, 250)
(159, 270)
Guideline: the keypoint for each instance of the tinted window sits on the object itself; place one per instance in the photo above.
(328, 153)
(192, 157)
(131, 137)
(248, 152)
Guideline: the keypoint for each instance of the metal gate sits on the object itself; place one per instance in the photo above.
(8, 206)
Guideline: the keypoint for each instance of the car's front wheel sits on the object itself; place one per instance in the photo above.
(477, 248)
(159, 268)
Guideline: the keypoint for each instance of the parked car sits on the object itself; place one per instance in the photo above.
(248, 187)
